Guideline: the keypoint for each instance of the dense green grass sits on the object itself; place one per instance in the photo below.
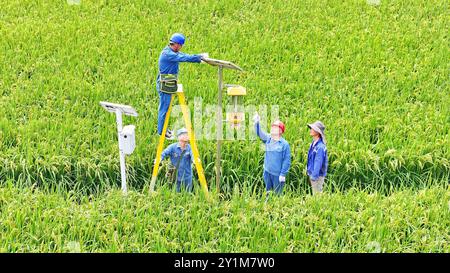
(377, 76)
(357, 221)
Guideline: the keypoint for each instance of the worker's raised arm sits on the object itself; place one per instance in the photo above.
(182, 57)
(259, 132)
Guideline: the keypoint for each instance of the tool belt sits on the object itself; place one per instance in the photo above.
(172, 171)
(169, 83)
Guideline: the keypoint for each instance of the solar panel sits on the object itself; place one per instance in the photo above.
(126, 109)
(225, 64)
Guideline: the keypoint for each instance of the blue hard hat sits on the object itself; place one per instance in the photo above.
(178, 38)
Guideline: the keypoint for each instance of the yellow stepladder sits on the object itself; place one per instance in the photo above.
(192, 140)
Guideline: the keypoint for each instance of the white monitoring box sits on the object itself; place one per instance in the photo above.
(127, 141)
(126, 135)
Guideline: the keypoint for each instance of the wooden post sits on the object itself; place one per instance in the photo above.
(219, 129)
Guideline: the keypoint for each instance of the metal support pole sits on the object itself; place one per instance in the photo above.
(219, 129)
(121, 154)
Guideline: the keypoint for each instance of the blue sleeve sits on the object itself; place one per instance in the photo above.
(318, 161)
(192, 155)
(286, 164)
(260, 133)
(182, 57)
(167, 151)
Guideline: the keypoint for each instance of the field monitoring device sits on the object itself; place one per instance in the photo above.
(234, 118)
(126, 135)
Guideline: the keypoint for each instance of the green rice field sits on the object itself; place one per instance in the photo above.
(377, 75)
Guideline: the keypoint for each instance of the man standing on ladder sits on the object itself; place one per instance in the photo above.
(166, 82)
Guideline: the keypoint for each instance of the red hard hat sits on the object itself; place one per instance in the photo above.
(280, 125)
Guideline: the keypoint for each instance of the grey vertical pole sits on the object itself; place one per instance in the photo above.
(219, 129)
(121, 154)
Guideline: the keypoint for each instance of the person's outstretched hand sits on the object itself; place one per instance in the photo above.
(256, 118)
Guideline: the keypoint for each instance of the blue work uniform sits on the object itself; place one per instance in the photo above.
(317, 164)
(277, 160)
(168, 64)
(184, 172)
